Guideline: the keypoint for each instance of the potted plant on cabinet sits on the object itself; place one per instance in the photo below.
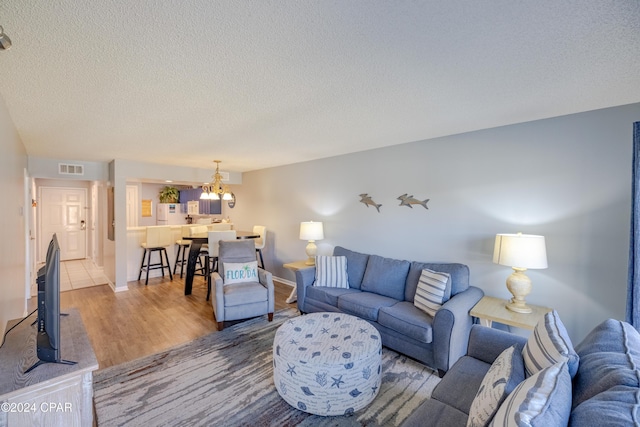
(169, 194)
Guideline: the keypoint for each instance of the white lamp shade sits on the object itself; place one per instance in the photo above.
(311, 231)
(520, 250)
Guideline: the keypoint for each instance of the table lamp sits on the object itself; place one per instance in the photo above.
(519, 251)
(311, 231)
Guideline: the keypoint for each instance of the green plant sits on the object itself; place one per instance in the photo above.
(169, 195)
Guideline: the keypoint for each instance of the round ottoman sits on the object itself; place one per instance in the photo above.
(327, 363)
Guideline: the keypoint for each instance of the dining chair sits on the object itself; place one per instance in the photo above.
(260, 241)
(213, 249)
(200, 230)
(157, 239)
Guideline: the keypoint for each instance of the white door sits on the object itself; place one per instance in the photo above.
(63, 212)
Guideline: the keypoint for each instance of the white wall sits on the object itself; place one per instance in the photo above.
(13, 164)
(567, 178)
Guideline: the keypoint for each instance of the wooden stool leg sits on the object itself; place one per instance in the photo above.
(175, 264)
(144, 253)
(184, 250)
(148, 264)
(166, 257)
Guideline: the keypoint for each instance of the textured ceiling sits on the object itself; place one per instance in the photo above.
(264, 83)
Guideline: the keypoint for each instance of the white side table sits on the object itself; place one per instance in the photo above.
(295, 266)
(490, 309)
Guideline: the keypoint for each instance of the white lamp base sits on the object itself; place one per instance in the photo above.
(520, 286)
(311, 250)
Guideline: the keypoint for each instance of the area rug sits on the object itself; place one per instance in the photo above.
(226, 379)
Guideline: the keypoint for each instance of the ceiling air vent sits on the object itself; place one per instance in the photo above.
(66, 169)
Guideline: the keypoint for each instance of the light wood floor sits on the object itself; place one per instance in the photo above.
(146, 319)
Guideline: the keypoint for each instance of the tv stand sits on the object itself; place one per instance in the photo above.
(55, 394)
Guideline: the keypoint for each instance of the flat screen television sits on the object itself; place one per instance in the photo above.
(48, 322)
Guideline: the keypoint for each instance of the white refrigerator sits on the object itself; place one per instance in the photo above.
(170, 214)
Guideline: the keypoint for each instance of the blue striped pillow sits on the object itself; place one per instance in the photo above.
(331, 271)
(549, 344)
(430, 291)
(543, 399)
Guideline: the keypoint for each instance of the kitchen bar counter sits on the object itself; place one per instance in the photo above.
(135, 237)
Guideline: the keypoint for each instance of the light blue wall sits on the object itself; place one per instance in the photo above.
(567, 178)
(13, 164)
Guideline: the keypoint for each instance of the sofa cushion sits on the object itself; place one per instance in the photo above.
(434, 413)
(549, 344)
(406, 319)
(618, 406)
(543, 399)
(331, 271)
(244, 293)
(356, 265)
(430, 292)
(459, 386)
(328, 295)
(385, 276)
(506, 372)
(609, 358)
(459, 278)
(364, 304)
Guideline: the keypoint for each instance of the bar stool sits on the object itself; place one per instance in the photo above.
(183, 246)
(198, 230)
(261, 241)
(158, 239)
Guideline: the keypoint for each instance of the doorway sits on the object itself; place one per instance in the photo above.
(64, 212)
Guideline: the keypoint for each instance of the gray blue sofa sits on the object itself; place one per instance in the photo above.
(382, 290)
(596, 384)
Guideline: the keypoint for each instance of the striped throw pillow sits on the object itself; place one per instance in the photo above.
(430, 291)
(542, 400)
(331, 271)
(549, 344)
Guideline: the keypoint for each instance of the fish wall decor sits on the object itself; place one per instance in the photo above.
(410, 200)
(368, 201)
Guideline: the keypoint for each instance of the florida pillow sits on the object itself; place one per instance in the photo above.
(331, 271)
(240, 272)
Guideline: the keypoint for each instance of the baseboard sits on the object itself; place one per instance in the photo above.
(285, 281)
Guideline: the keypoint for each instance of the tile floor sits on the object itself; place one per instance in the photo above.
(80, 273)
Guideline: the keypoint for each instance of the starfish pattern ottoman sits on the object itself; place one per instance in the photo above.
(327, 363)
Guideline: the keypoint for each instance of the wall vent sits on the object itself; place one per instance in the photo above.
(67, 169)
(224, 176)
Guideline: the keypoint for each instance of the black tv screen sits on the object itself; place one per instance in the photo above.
(48, 323)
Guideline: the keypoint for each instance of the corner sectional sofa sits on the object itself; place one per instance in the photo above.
(595, 384)
(382, 290)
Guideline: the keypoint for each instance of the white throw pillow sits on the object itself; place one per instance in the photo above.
(430, 291)
(331, 271)
(239, 272)
(549, 344)
(504, 375)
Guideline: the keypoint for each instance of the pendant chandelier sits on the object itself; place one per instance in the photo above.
(213, 191)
